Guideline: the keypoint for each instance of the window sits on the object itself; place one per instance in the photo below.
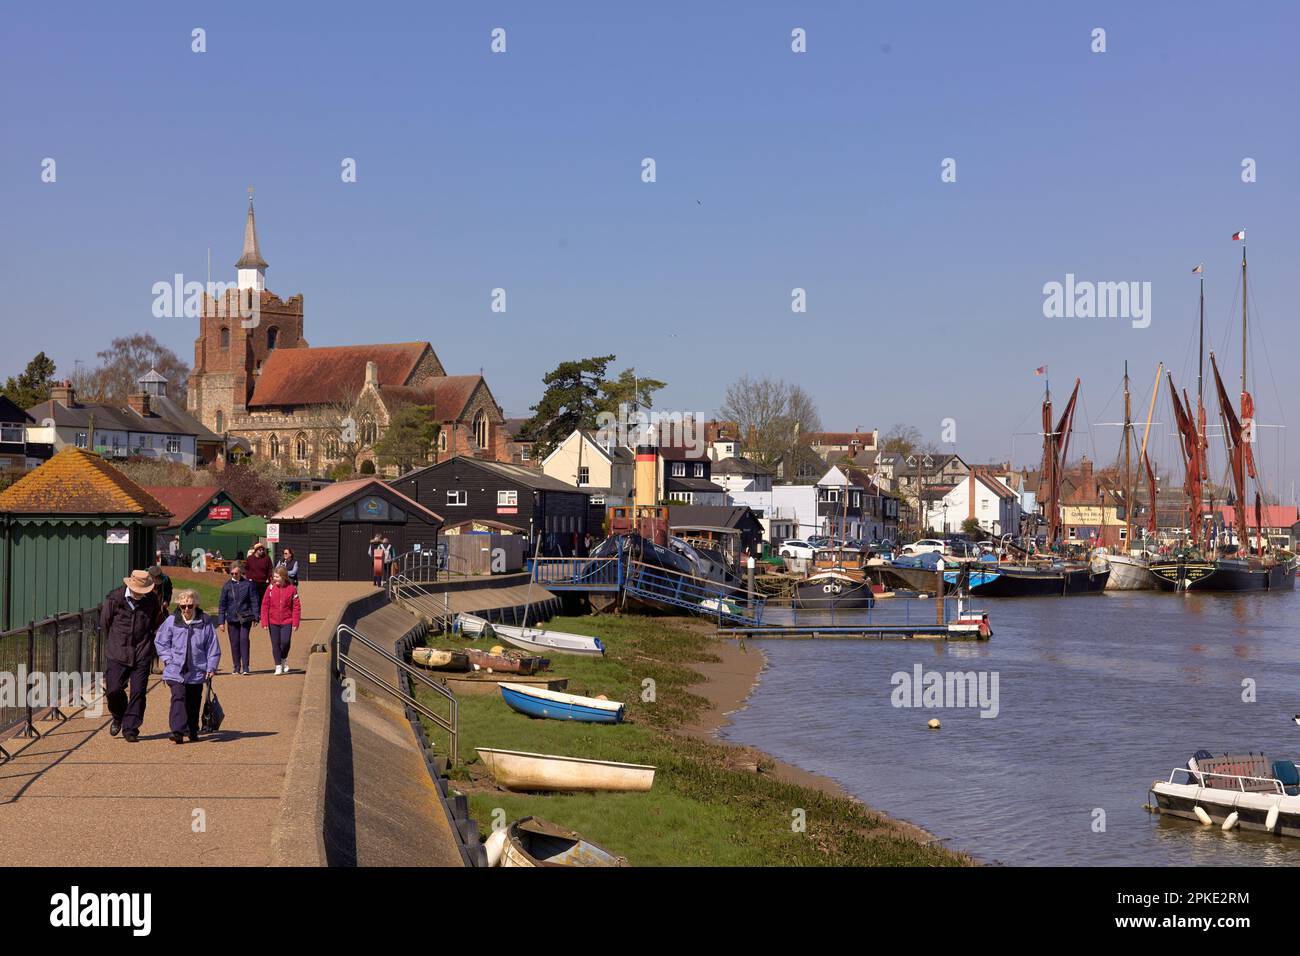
(584, 475)
(510, 498)
(275, 447)
(457, 499)
(225, 337)
(11, 433)
(332, 446)
(80, 440)
(525, 453)
(221, 421)
(699, 470)
(442, 440)
(481, 429)
(369, 431)
(272, 338)
(300, 447)
(174, 444)
(679, 469)
(146, 441)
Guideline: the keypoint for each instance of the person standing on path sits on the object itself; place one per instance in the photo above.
(257, 568)
(376, 552)
(188, 647)
(237, 613)
(281, 615)
(128, 620)
(289, 564)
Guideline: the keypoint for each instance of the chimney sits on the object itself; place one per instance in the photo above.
(139, 403)
(372, 374)
(64, 393)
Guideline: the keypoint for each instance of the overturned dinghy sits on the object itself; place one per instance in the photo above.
(517, 770)
(533, 841)
(1234, 790)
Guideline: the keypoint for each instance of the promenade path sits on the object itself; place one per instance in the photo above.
(78, 797)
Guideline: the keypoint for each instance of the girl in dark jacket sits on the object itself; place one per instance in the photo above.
(237, 613)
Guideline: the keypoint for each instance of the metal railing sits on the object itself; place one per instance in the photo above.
(60, 645)
(724, 602)
(1260, 784)
(343, 660)
(581, 574)
(416, 596)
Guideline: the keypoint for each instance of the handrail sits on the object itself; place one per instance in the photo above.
(1277, 785)
(451, 724)
(399, 581)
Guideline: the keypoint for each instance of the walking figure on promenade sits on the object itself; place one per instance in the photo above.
(237, 613)
(188, 646)
(281, 615)
(128, 621)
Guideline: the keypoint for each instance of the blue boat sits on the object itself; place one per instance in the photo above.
(977, 578)
(540, 702)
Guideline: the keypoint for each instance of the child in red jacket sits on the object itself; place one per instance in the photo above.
(281, 614)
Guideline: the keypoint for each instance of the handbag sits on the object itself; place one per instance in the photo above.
(213, 713)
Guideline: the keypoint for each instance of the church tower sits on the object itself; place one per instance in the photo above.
(234, 340)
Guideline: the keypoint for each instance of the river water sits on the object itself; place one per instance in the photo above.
(1097, 696)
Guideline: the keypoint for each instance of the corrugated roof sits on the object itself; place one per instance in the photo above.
(78, 482)
(316, 502)
(319, 376)
(183, 501)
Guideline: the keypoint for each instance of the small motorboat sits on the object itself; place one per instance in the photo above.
(520, 771)
(540, 702)
(439, 659)
(505, 663)
(833, 590)
(556, 642)
(533, 841)
(1234, 790)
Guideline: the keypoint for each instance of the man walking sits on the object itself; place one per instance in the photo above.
(258, 568)
(128, 621)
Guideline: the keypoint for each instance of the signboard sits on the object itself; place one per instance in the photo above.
(272, 532)
(507, 511)
(311, 558)
(118, 536)
(374, 508)
(417, 547)
(221, 513)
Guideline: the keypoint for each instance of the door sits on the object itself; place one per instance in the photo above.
(354, 563)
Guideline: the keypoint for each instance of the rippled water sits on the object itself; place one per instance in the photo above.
(1098, 696)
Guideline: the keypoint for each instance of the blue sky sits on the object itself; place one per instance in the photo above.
(775, 170)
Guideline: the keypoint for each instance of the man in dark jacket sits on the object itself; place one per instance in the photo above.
(164, 585)
(128, 621)
(258, 568)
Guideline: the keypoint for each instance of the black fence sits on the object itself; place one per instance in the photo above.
(66, 644)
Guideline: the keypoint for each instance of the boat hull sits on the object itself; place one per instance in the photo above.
(1180, 799)
(540, 702)
(833, 594)
(551, 642)
(504, 664)
(1223, 575)
(1022, 581)
(438, 659)
(534, 842)
(528, 772)
(1128, 573)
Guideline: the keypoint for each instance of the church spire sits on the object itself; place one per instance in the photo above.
(251, 265)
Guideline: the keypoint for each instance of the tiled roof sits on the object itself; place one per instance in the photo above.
(527, 477)
(183, 501)
(448, 394)
(1275, 516)
(319, 376)
(160, 421)
(741, 466)
(310, 505)
(78, 482)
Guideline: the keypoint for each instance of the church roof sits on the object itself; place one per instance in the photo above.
(252, 257)
(78, 482)
(319, 376)
(448, 394)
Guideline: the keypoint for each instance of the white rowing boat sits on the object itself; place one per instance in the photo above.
(556, 642)
(517, 770)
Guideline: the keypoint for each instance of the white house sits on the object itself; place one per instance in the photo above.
(742, 474)
(603, 468)
(981, 496)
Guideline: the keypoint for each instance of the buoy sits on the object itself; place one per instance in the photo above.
(1271, 820)
(1202, 815)
(497, 649)
(495, 846)
(933, 723)
(1230, 822)
(601, 697)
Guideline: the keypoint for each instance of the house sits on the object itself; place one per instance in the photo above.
(685, 476)
(195, 511)
(741, 474)
(556, 514)
(776, 510)
(1279, 524)
(146, 428)
(722, 439)
(519, 444)
(981, 496)
(879, 505)
(802, 466)
(330, 530)
(914, 473)
(73, 529)
(16, 452)
(737, 518)
(604, 469)
(832, 446)
(839, 505)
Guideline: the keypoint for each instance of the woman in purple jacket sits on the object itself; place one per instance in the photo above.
(190, 652)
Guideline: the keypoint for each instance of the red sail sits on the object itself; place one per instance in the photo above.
(1056, 443)
(1151, 488)
(1192, 461)
(1248, 431)
(1236, 454)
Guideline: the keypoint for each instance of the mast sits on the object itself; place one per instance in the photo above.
(1151, 478)
(1128, 467)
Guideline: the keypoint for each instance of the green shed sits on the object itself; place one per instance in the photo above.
(73, 529)
(196, 511)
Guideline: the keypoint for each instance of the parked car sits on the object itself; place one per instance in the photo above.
(924, 546)
(795, 548)
(819, 540)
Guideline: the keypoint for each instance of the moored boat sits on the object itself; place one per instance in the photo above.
(533, 841)
(521, 771)
(540, 702)
(1129, 573)
(505, 663)
(556, 642)
(833, 590)
(1194, 573)
(1245, 789)
(439, 659)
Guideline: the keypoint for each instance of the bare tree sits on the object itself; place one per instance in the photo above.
(771, 414)
(124, 362)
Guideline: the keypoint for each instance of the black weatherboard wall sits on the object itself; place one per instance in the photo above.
(462, 488)
(338, 529)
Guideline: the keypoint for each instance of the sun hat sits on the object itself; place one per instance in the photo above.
(139, 582)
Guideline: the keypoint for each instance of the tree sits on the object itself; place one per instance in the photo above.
(571, 401)
(627, 389)
(771, 415)
(971, 526)
(253, 483)
(408, 439)
(124, 362)
(32, 386)
(906, 440)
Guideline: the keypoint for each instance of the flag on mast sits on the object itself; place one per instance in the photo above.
(1199, 269)
(1240, 235)
(1041, 370)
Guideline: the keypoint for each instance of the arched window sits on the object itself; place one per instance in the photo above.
(332, 447)
(481, 429)
(442, 440)
(272, 338)
(300, 447)
(275, 447)
(225, 336)
(221, 422)
(369, 431)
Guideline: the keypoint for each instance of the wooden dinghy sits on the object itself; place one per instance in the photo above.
(533, 841)
(555, 642)
(505, 663)
(520, 771)
(471, 625)
(438, 659)
(539, 702)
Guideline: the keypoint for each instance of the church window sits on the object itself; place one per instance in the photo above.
(300, 447)
(272, 338)
(221, 421)
(332, 447)
(225, 337)
(442, 440)
(275, 447)
(369, 431)
(481, 430)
